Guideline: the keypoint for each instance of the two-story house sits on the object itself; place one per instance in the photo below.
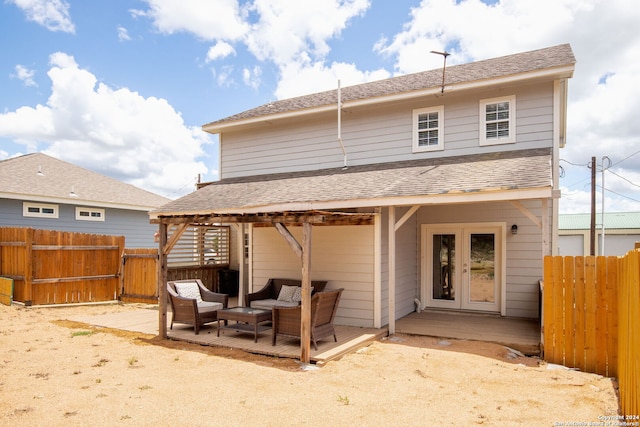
(420, 192)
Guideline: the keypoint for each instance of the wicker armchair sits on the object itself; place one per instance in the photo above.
(267, 297)
(187, 308)
(286, 321)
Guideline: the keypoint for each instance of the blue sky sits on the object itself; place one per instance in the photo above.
(123, 87)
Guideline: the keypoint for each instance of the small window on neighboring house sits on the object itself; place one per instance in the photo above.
(498, 120)
(89, 214)
(39, 210)
(428, 129)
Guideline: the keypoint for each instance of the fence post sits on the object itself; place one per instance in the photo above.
(28, 267)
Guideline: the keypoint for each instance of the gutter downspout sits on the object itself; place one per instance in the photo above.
(344, 152)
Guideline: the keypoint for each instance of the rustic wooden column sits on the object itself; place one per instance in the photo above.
(304, 254)
(162, 281)
(305, 324)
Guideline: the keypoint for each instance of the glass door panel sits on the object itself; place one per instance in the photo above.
(444, 267)
(482, 275)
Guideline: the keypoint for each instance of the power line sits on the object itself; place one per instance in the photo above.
(622, 177)
(626, 158)
(622, 195)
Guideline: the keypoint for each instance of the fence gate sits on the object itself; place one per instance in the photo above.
(139, 275)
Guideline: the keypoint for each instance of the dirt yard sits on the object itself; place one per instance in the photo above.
(57, 372)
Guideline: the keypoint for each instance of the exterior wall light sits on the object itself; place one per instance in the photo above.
(514, 229)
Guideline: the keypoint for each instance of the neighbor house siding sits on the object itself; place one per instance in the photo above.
(134, 225)
(342, 255)
(523, 250)
(381, 133)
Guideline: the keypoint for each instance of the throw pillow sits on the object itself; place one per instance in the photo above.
(297, 295)
(286, 293)
(189, 290)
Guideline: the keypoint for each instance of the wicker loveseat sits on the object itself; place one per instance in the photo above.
(193, 304)
(270, 295)
(286, 321)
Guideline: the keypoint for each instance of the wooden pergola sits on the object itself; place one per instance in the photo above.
(281, 221)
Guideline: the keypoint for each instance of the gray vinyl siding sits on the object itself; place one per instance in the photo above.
(407, 284)
(342, 255)
(134, 225)
(381, 133)
(524, 265)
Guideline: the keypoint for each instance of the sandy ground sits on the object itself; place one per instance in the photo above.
(56, 372)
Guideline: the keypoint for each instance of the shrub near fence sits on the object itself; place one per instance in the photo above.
(591, 318)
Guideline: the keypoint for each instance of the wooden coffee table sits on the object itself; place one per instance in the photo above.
(246, 320)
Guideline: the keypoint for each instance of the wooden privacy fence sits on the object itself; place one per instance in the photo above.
(629, 334)
(57, 267)
(6, 291)
(591, 318)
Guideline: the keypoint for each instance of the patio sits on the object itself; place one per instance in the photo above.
(145, 320)
(520, 334)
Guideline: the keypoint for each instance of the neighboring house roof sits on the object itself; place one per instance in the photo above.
(38, 177)
(612, 220)
(420, 181)
(553, 61)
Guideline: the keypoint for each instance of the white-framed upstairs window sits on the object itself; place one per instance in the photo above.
(89, 214)
(39, 210)
(498, 120)
(428, 129)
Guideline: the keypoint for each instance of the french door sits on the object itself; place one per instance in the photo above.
(462, 266)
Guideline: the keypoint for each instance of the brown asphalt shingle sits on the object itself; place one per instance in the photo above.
(463, 174)
(552, 57)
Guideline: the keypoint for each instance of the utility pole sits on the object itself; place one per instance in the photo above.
(592, 247)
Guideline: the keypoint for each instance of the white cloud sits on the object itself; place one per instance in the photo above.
(123, 34)
(25, 74)
(51, 14)
(142, 141)
(220, 50)
(252, 77)
(303, 79)
(224, 75)
(207, 19)
(287, 29)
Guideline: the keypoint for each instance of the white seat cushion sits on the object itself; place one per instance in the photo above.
(267, 304)
(207, 307)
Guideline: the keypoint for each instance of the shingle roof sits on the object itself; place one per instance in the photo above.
(541, 59)
(19, 177)
(512, 170)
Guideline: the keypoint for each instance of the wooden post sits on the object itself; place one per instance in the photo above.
(305, 324)
(162, 281)
(392, 270)
(28, 267)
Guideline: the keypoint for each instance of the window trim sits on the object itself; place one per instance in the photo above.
(40, 206)
(91, 217)
(511, 99)
(415, 131)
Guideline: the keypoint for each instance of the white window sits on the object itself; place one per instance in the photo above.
(498, 120)
(39, 210)
(89, 214)
(428, 129)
